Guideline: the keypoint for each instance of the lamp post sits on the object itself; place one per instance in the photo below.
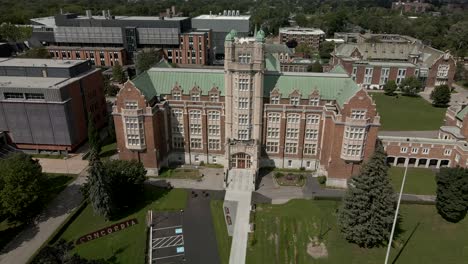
(396, 212)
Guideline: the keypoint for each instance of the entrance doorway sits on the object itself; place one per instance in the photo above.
(241, 161)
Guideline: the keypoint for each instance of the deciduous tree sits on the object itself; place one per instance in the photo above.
(368, 208)
(146, 59)
(452, 193)
(118, 73)
(390, 87)
(440, 96)
(410, 86)
(21, 187)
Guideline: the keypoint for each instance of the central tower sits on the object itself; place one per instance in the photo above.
(244, 73)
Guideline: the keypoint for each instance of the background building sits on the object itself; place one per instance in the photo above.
(312, 37)
(449, 149)
(411, 6)
(220, 25)
(247, 116)
(103, 39)
(44, 104)
(377, 58)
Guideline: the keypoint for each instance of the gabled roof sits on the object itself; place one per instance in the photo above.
(338, 69)
(331, 86)
(461, 115)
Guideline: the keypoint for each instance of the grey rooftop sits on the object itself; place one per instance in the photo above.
(23, 62)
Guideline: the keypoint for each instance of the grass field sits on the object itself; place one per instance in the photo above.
(418, 180)
(407, 113)
(283, 232)
(55, 184)
(108, 149)
(129, 245)
(222, 237)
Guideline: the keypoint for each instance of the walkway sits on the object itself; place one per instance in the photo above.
(23, 246)
(419, 134)
(313, 190)
(73, 165)
(239, 189)
(460, 96)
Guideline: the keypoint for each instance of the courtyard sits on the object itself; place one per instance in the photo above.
(404, 113)
(419, 181)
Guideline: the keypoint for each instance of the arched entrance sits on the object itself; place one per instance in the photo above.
(241, 161)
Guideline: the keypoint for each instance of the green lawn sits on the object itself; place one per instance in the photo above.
(283, 232)
(180, 173)
(222, 237)
(108, 149)
(418, 180)
(129, 245)
(407, 113)
(55, 184)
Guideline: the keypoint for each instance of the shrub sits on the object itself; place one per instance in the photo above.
(202, 163)
(302, 168)
(279, 175)
(322, 179)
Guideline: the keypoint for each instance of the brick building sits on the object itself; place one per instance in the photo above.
(450, 149)
(108, 39)
(312, 37)
(372, 63)
(44, 103)
(247, 116)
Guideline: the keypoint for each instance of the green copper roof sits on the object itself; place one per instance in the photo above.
(163, 64)
(338, 69)
(260, 36)
(462, 113)
(272, 63)
(331, 86)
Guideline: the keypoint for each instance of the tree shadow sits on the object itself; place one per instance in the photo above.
(406, 242)
(150, 193)
(263, 172)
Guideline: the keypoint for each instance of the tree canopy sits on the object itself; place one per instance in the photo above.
(452, 193)
(21, 187)
(440, 96)
(410, 86)
(390, 87)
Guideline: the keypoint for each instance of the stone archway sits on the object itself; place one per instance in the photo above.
(241, 161)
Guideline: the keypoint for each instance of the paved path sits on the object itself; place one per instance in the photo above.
(460, 96)
(23, 246)
(281, 195)
(72, 165)
(239, 189)
(213, 179)
(421, 134)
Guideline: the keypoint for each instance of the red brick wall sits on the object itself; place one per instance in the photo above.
(70, 53)
(431, 79)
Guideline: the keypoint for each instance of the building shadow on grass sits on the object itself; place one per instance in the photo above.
(406, 242)
(150, 194)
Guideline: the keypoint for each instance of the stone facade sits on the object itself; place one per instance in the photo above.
(247, 117)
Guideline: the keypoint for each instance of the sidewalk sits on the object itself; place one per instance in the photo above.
(312, 190)
(72, 165)
(23, 246)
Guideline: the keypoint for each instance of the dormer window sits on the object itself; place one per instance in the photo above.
(244, 58)
(275, 100)
(214, 97)
(442, 71)
(295, 100)
(195, 97)
(176, 96)
(314, 101)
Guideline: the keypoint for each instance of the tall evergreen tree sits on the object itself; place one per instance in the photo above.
(368, 208)
(93, 136)
(452, 193)
(100, 193)
(441, 95)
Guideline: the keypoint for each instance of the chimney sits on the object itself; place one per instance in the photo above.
(229, 13)
(173, 10)
(89, 14)
(237, 13)
(168, 11)
(61, 11)
(224, 13)
(104, 14)
(210, 13)
(109, 14)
